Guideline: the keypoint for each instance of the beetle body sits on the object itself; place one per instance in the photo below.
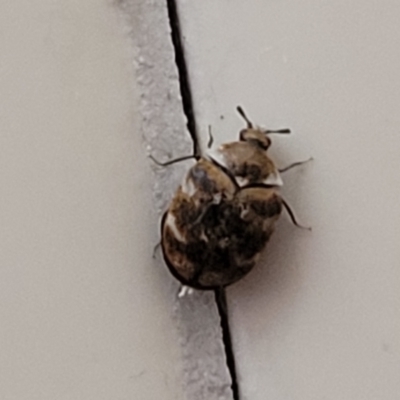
(223, 213)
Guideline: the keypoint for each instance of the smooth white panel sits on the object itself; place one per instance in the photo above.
(318, 318)
(84, 310)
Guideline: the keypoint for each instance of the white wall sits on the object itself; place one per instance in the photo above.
(84, 310)
(318, 318)
(86, 89)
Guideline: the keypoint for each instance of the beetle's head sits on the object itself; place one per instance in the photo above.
(255, 135)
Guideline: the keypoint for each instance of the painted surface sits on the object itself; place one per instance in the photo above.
(319, 317)
(85, 311)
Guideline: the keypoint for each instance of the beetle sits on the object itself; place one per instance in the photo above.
(224, 212)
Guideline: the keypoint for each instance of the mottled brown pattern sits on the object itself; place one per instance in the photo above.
(247, 160)
(218, 224)
(223, 240)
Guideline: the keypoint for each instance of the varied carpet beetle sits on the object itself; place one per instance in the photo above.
(224, 212)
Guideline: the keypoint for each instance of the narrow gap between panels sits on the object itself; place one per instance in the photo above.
(182, 72)
(220, 298)
(220, 295)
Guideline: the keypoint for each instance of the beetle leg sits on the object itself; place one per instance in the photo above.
(170, 162)
(183, 291)
(156, 247)
(292, 217)
(210, 138)
(295, 164)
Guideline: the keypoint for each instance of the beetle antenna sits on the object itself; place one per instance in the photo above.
(244, 116)
(282, 131)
